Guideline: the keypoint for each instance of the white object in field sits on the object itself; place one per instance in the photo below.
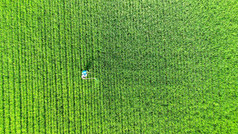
(84, 75)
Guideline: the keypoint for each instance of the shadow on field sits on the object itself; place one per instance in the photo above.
(89, 64)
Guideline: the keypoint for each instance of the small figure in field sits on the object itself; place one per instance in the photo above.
(84, 75)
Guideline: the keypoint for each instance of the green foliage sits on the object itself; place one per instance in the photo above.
(161, 66)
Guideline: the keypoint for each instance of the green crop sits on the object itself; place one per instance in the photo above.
(162, 66)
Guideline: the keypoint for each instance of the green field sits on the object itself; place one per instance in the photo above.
(163, 66)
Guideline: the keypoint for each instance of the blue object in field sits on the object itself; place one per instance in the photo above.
(84, 72)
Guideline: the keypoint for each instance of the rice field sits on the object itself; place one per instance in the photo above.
(163, 66)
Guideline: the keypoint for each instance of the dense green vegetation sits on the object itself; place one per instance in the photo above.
(163, 66)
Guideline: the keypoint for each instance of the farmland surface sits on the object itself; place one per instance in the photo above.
(162, 66)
